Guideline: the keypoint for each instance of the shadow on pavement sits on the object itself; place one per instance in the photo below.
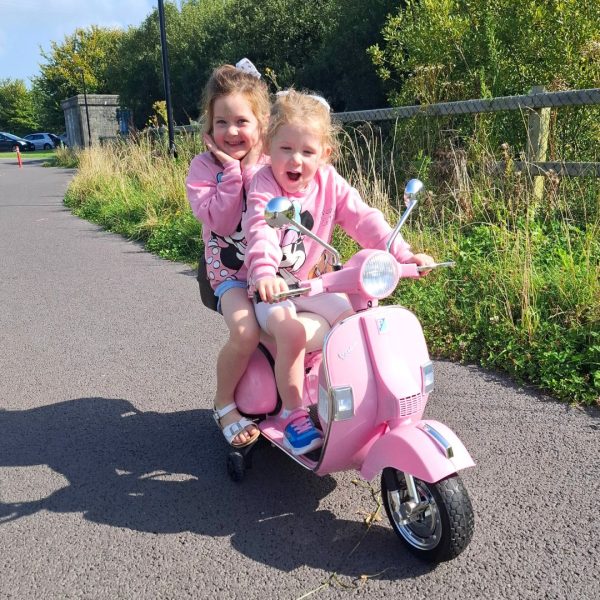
(165, 473)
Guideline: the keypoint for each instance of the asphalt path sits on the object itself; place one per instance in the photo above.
(112, 478)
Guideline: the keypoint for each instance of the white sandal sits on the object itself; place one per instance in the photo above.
(233, 429)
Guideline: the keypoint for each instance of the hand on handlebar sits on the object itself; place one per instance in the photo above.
(423, 260)
(268, 287)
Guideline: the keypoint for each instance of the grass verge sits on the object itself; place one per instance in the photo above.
(524, 298)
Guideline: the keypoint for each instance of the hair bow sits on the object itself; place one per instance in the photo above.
(246, 66)
(319, 99)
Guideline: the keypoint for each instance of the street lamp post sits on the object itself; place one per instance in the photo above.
(166, 77)
(87, 113)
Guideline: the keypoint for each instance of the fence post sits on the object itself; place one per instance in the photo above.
(538, 128)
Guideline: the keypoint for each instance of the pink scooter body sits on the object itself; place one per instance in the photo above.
(377, 353)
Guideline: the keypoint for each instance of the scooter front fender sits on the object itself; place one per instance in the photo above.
(411, 449)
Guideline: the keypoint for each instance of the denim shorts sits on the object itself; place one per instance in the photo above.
(225, 286)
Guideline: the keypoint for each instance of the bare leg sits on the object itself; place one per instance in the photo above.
(238, 312)
(290, 337)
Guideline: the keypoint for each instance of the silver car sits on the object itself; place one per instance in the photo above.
(43, 141)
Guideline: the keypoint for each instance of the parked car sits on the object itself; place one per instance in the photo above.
(10, 142)
(44, 141)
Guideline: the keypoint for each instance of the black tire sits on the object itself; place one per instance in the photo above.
(47, 147)
(444, 529)
(236, 466)
(14, 148)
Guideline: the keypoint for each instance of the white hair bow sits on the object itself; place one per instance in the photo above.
(313, 96)
(247, 66)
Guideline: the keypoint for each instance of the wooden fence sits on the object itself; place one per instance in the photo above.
(537, 105)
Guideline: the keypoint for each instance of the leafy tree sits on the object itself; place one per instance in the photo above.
(17, 111)
(341, 69)
(280, 35)
(438, 50)
(442, 50)
(85, 54)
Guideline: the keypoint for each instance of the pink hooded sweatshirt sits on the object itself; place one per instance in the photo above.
(329, 200)
(217, 196)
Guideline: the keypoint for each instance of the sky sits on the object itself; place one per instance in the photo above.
(27, 25)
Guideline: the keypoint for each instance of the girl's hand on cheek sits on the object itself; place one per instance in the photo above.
(221, 156)
(269, 286)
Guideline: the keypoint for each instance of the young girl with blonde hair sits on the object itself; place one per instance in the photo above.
(236, 110)
(301, 140)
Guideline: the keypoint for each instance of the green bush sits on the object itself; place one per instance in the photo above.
(444, 50)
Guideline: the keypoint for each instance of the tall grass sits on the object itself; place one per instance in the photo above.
(135, 188)
(524, 297)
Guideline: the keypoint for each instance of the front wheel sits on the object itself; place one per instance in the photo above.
(442, 527)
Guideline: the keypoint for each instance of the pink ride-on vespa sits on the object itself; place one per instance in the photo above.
(367, 383)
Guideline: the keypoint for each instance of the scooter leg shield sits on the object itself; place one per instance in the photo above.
(412, 450)
(256, 392)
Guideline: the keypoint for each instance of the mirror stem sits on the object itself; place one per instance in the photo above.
(334, 253)
(396, 231)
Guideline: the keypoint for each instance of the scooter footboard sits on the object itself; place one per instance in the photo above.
(427, 450)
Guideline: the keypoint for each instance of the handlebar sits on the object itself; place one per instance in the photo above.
(448, 263)
(318, 285)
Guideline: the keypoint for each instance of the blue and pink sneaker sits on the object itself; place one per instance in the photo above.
(301, 436)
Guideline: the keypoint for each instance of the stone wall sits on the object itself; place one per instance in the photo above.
(102, 111)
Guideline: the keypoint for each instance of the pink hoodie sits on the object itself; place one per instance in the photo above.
(328, 201)
(217, 196)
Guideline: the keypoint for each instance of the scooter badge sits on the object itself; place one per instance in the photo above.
(382, 326)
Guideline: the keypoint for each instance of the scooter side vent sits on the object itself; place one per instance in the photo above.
(411, 404)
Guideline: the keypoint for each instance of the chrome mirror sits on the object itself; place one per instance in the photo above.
(279, 212)
(412, 193)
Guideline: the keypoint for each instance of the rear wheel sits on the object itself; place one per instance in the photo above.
(442, 527)
(47, 147)
(14, 148)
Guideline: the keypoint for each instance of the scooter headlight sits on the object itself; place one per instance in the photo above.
(379, 275)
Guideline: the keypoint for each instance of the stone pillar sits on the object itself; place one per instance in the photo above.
(102, 111)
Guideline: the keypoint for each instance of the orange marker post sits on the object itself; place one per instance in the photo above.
(19, 159)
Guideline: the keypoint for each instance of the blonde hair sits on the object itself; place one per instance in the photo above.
(226, 80)
(303, 108)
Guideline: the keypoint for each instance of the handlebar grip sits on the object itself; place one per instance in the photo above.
(299, 291)
(448, 263)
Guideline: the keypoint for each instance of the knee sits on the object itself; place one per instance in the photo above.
(245, 336)
(291, 335)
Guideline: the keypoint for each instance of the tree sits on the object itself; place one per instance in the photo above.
(86, 53)
(444, 50)
(437, 50)
(17, 111)
(341, 69)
